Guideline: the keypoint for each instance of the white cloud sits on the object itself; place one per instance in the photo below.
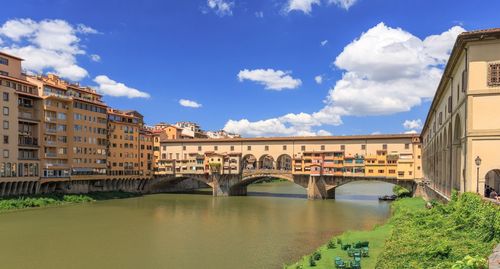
(411, 132)
(82, 28)
(318, 79)
(221, 7)
(46, 46)
(376, 133)
(259, 14)
(95, 57)
(385, 71)
(324, 42)
(306, 5)
(270, 78)
(189, 103)
(412, 124)
(345, 4)
(110, 87)
(301, 5)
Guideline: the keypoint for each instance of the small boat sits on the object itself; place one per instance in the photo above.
(387, 198)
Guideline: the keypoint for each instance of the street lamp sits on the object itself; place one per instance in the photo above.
(478, 163)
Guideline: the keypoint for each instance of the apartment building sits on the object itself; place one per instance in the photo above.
(126, 156)
(462, 130)
(20, 130)
(74, 128)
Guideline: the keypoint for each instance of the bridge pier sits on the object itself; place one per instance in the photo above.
(318, 189)
(227, 185)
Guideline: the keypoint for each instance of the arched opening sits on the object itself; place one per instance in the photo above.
(284, 162)
(249, 162)
(266, 162)
(182, 184)
(457, 153)
(492, 182)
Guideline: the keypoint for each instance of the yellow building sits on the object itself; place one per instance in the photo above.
(463, 124)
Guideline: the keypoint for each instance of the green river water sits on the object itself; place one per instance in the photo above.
(274, 224)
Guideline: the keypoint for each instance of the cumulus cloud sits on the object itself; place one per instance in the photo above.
(385, 71)
(412, 124)
(301, 5)
(318, 79)
(189, 103)
(272, 79)
(221, 7)
(324, 42)
(95, 57)
(47, 45)
(110, 87)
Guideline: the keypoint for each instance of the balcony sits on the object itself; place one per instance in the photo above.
(28, 141)
(51, 131)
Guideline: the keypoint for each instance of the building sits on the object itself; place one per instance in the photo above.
(20, 131)
(463, 124)
(168, 131)
(124, 130)
(190, 130)
(221, 134)
(74, 131)
(363, 156)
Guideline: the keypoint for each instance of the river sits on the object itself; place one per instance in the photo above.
(274, 224)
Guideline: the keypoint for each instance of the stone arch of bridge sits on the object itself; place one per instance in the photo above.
(247, 180)
(407, 184)
(160, 183)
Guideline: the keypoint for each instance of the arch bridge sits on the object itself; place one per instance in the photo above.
(317, 186)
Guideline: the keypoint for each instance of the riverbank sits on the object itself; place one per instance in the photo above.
(416, 237)
(14, 203)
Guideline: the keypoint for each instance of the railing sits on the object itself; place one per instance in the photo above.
(50, 154)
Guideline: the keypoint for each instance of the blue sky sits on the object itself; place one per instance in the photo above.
(250, 66)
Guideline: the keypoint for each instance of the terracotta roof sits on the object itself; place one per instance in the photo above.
(460, 43)
(293, 138)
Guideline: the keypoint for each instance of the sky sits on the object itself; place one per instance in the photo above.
(253, 67)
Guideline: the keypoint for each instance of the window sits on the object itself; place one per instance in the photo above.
(440, 118)
(322, 147)
(303, 148)
(6, 153)
(450, 108)
(6, 96)
(284, 147)
(249, 147)
(407, 146)
(5, 111)
(363, 147)
(5, 124)
(6, 139)
(183, 147)
(199, 148)
(216, 148)
(232, 148)
(3, 73)
(342, 147)
(4, 61)
(384, 146)
(266, 148)
(494, 74)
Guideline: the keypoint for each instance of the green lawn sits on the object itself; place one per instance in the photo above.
(376, 237)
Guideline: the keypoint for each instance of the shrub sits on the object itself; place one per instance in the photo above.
(400, 191)
(312, 262)
(331, 244)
